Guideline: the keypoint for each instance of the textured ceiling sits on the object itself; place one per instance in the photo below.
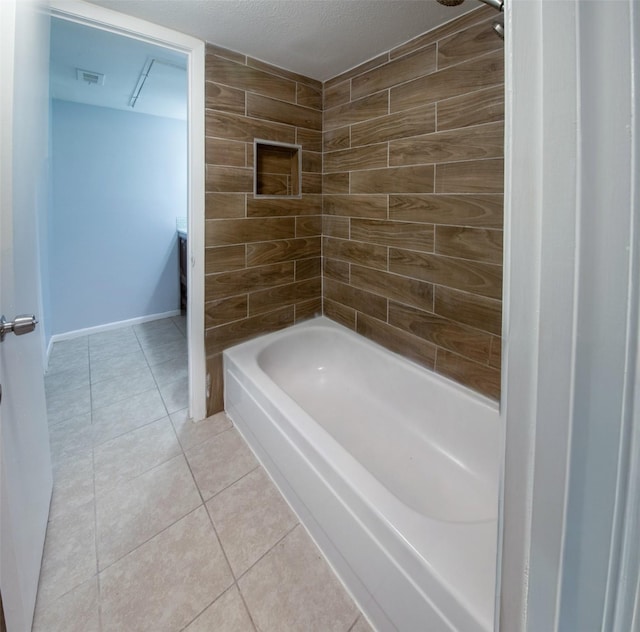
(316, 38)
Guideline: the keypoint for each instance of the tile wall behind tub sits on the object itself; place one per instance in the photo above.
(413, 184)
(262, 259)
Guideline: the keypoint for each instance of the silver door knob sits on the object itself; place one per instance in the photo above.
(23, 324)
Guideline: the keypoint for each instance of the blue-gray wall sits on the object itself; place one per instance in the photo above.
(119, 182)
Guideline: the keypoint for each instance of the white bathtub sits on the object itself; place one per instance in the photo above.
(392, 469)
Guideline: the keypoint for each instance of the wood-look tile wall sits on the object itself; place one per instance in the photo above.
(263, 256)
(413, 184)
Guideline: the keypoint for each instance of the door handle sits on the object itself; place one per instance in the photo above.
(20, 325)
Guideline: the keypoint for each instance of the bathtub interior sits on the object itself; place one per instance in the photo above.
(448, 471)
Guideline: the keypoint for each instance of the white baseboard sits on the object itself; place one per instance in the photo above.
(70, 335)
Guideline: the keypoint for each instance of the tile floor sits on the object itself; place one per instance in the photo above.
(158, 524)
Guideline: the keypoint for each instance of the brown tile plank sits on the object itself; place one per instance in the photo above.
(370, 157)
(217, 339)
(475, 74)
(308, 268)
(396, 340)
(238, 282)
(342, 314)
(390, 233)
(483, 379)
(356, 111)
(338, 138)
(337, 94)
(335, 183)
(392, 286)
(416, 64)
(276, 297)
(244, 128)
(471, 276)
(467, 44)
(417, 179)
(358, 70)
(469, 309)
(337, 270)
(373, 206)
(308, 309)
(309, 96)
(433, 35)
(308, 225)
(495, 358)
(228, 179)
(215, 374)
(212, 49)
(225, 310)
(440, 331)
(312, 161)
(225, 232)
(283, 72)
(283, 250)
(310, 139)
(466, 210)
(224, 205)
(224, 98)
(224, 258)
(471, 143)
(335, 227)
(471, 176)
(420, 120)
(472, 108)
(280, 112)
(479, 244)
(305, 205)
(218, 151)
(238, 75)
(311, 183)
(371, 255)
(359, 300)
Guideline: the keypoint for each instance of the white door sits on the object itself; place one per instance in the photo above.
(25, 462)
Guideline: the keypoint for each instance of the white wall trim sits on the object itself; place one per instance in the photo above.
(88, 331)
(194, 49)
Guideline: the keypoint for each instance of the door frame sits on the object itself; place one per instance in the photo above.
(105, 19)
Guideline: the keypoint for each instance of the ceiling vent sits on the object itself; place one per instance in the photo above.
(90, 77)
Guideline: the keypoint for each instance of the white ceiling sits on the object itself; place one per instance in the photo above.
(316, 38)
(122, 61)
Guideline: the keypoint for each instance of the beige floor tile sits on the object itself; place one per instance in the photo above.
(361, 625)
(121, 417)
(67, 359)
(161, 334)
(191, 434)
(134, 511)
(67, 380)
(71, 437)
(109, 365)
(165, 583)
(113, 339)
(62, 405)
(175, 395)
(159, 353)
(220, 461)
(134, 453)
(170, 371)
(293, 589)
(77, 611)
(250, 516)
(120, 388)
(181, 323)
(69, 557)
(72, 484)
(226, 614)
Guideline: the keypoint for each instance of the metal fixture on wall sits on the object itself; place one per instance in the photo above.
(498, 25)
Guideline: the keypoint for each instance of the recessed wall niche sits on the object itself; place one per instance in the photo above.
(277, 169)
